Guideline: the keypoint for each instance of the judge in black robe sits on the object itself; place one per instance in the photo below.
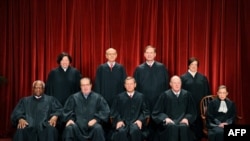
(197, 84)
(109, 80)
(36, 116)
(129, 112)
(152, 79)
(174, 111)
(220, 112)
(84, 113)
(63, 81)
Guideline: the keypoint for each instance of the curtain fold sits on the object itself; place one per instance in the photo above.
(34, 32)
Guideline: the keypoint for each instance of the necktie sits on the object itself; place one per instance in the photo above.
(111, 66)
(130, 95)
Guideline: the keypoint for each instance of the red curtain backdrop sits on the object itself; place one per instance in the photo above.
(34, 32)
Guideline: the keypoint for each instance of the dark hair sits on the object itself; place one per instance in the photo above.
(192, 59)
(60, 57)
(87, 78)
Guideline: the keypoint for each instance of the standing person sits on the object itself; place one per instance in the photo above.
(63, 80)
(152, 79)
(197, 84)
(109, 82)
(174, 112)
(220, 112)
(36, 116)
(83, 114)
(129, 112)
(110, 77)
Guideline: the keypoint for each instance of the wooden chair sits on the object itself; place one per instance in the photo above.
(203, 109)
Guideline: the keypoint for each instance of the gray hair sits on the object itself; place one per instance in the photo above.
(38, 81)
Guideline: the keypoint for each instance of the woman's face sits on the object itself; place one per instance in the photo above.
(65, 62)
(193, 66)
(222, 94)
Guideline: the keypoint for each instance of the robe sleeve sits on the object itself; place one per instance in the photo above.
(78, 76)
(191, 109)
(56, 108)
(158, 114)
(211, 120)
(145, 113)
(48, 84)
(231, 114)
(18, 112)
(98, 79)
(103, 111)
(207, 87)
(68, 110)
(136, 75)
(114, 112)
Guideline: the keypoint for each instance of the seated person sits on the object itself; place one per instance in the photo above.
(174, 112)
(36, 116)
(220, 112)
(129, 112)
(83, 114)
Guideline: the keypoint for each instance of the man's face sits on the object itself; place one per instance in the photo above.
(130, 85)
(38, 89)
(111, 55)
(175, 84)
(149, 54)
(85, 86)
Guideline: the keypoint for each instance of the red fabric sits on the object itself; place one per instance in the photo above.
(34, 32)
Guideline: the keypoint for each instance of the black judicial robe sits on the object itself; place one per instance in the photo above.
(169, 106)
(198, 86)
(214, 118)
(82, 110)
(129, 110)
(151, 81)
(37, 112)
(109, 82)
(61, 84)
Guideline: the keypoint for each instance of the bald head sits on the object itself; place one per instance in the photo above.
(111, 54)
(110, 50)
(175, 83)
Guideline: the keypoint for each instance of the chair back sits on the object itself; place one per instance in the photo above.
(203, 109)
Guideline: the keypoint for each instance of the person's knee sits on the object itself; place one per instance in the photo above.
(122, 130)
(68, 131)
(51, 129)
(97, 128)
(184, 127)
(134, 129)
